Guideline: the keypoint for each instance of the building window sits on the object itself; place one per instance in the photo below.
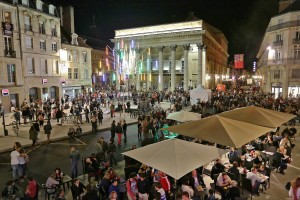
(51, 9)
(7, 44)
(84, 56)
(11, 73)
(28, 42)
(44, 66)
(54, 46)
(74, 55)
(7, 17)
(69, 55)
(56, 67)
(277, 54)
(295, 73)
(297, 35)
(25, 2)
(30, 66)
(39, 5)
(43, 45)
(27, 23)
(86, 73)
(42, 28)
(69, 73)
(278, 37)
(276, 74)
(75, 73)
(296, 52)
(53, 30)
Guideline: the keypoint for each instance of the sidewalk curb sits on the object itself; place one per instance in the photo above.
(65, 137)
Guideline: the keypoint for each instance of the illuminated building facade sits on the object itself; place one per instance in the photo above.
(169, 56)
(279, 54)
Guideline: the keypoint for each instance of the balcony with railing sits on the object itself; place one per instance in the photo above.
(296, 41)
(278, 43)
(284, 25)
(10, 53)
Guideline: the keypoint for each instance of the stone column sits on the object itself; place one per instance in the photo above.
(148, 70)
(117, 74)
(138, 78)
(160, 69)
(199, 68)
(204, 65)
(267, 75)
(173, 50)
(285, 84)
(186, 48)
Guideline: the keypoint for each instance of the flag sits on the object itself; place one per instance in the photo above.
(238, 61)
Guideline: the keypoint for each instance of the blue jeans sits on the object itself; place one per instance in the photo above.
(74, 170)
(16, 171)
(256, 187)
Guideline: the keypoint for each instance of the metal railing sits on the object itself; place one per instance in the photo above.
(10, 53)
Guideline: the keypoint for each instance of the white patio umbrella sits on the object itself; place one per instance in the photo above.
(175, 157)
(258, 116)
(184, 116)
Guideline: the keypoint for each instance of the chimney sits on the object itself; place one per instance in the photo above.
(68, 19)
(283, 4)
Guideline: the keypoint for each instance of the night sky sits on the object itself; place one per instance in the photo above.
(242, 21)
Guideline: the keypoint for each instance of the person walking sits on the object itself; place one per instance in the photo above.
(119, 131)
(94, 124)
(113, 129)
(14, 162)
(33, 134)
(47, 129)
(74, 157)
(86, 113)
(125, 130)
(100, 116)
(111, 152)
(41, 119)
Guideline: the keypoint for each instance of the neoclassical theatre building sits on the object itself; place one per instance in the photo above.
(169, 56)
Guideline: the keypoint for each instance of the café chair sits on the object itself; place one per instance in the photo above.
(49, 195)
(247, 185)
(248, 164)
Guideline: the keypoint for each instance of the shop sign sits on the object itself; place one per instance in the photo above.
(5, 92)
(44, 81)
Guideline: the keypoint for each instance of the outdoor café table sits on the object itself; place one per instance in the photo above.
(66, 181)
(271, 154)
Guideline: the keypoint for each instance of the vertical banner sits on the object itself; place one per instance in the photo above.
(238, 61)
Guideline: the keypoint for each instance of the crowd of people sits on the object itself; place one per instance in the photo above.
(148, 183)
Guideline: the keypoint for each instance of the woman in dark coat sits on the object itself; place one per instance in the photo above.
(33, 135)
(48, 129)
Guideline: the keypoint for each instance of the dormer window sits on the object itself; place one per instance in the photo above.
(25, 3)
(74, 39)
(39, 5)
(51, 9)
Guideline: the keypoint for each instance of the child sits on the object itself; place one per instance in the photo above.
(23, 158)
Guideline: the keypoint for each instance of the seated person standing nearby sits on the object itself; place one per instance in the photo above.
(185, 196)
(257, 161)
(223, 181)
(77, 189)
(233, 155)
(235, 171)
(217, 168)
(186, 188)
(279, 158)
(262, 170)
(196, 181)
(51, 184)
(58, 175)
(31, 189)
(255, 180)
(233, 192)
